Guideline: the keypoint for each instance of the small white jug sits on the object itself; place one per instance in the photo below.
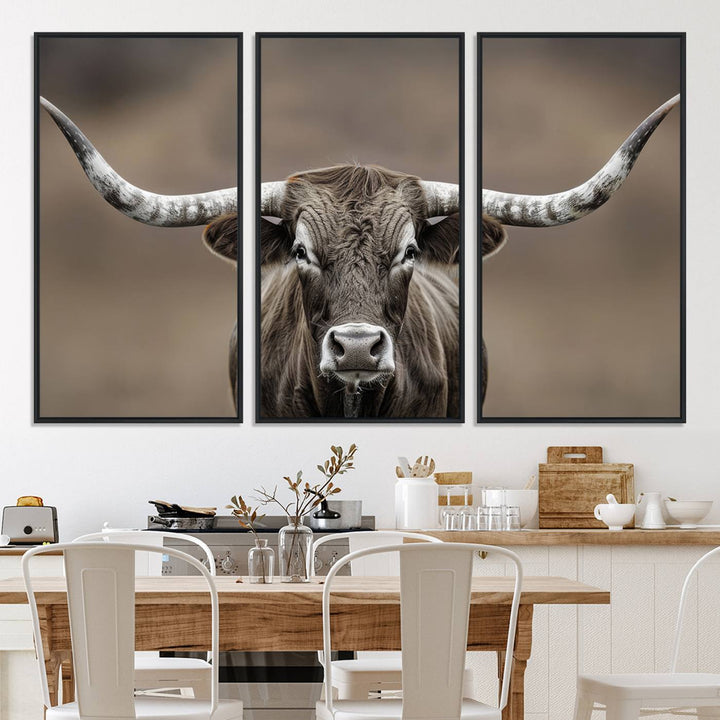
(651, 503)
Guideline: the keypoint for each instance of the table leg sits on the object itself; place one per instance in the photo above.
(67, 673)
(515, 708)
(53, 658)
(52, 670)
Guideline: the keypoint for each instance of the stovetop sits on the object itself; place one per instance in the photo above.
(269, 524)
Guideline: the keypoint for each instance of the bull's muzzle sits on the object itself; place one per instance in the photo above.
(357, 352)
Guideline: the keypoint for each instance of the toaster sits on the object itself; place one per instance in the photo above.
(30, 525)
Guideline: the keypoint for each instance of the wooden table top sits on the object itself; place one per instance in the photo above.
(346, 590)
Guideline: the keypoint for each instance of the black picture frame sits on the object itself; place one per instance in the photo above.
(260, 37)
(61, 418)
(511, 418)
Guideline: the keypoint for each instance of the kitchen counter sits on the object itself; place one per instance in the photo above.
(19, 550)
(633, 536)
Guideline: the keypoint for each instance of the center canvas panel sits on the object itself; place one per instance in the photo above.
(360, 230)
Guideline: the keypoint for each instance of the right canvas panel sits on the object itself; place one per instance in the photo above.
(581, 281)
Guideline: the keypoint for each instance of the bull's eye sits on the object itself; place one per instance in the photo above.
(410, 253)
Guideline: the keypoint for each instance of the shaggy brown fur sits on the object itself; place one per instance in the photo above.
(355, 215)
(426, 381)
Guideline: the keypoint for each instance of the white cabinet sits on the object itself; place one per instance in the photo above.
(20, 697)
(633, 633)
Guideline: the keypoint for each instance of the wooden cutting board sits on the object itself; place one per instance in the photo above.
(574, 480)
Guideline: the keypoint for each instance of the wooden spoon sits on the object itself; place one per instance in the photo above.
(423, 467)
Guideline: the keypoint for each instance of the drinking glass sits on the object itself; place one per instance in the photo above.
(448, 516)
(512, 517)
(496, 518)
(466, 514)
(483, 517)
(469, 518)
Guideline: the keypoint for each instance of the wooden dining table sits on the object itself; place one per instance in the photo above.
(173, 613)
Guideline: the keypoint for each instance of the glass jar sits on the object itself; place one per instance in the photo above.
(261, 559)
(294, 547)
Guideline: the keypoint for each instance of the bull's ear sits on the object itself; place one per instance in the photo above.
(494, 237)
(275, 242)
(440, 241)
(221, 237)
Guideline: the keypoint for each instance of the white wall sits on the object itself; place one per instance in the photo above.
(106, 472)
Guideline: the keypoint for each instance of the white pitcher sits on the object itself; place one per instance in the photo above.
(651, 503)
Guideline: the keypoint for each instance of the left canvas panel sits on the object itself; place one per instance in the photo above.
(137, 196)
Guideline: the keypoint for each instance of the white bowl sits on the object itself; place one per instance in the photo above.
(688, 512)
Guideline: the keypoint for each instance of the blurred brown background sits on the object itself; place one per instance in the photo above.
(583, 320)
(387, 101)
(135, 320)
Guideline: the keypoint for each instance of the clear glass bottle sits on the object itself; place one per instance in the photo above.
(294, 546)
(261, 559)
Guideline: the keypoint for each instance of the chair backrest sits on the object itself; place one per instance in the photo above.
(435, 594)
(683, 601)
(145, 537)
(100, 580)
(375, 536)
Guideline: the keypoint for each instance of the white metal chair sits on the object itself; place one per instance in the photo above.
(356, 679)
(435, 590)
(625, 695)
(101, 606)
(154, 673)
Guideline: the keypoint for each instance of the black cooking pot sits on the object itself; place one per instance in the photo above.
(184, 523)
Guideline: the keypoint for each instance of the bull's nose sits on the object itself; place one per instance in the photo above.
(357, 348)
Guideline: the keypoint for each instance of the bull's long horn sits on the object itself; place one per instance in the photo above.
(271, 197)
(442, 198)
(141, 205)
(564, 207)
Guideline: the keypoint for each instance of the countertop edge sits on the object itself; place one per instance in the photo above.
(629, 537)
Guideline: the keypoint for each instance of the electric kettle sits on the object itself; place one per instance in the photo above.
(651, 504)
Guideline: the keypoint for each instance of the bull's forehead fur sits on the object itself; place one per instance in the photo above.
(354, 206)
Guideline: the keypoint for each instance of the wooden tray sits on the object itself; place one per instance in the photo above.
(574, 480)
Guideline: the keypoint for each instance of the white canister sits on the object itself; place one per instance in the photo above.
(416, 504)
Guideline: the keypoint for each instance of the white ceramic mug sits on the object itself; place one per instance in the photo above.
(615, 516)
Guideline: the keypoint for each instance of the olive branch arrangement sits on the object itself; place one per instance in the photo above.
(245, 514)
(307, 497)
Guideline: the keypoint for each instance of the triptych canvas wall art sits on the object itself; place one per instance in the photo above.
(361, 228)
